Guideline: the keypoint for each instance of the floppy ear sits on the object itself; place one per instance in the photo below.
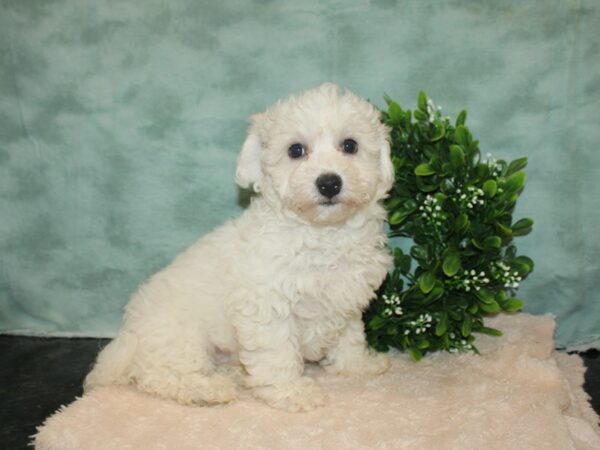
(385, 166)
(249, 171)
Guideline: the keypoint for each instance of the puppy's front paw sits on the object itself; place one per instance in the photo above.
(369, 363)
(375, 363)
(205, 389)
(299, 395)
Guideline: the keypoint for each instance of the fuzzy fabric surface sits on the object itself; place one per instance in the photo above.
(519, 394)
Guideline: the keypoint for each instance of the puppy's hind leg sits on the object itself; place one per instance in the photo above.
(113, 363)
(183, 371)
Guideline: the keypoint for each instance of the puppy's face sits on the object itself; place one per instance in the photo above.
(322, 155)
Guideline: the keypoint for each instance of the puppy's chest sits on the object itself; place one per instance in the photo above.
(332, 282)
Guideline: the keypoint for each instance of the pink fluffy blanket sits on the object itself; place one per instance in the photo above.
(520, 394)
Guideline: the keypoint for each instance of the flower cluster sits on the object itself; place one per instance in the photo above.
(502, 272)
(421, 324)
(470, 197)
(432, 212)
(493, 165)
(393, 307)
(456, 345)
(470, 280)
(433, 111)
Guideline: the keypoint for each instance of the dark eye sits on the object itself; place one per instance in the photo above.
(350, 146)
(296, 151)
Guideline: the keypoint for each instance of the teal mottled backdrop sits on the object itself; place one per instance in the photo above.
(120, 122)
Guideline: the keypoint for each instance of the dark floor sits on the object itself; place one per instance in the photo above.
(38, 375)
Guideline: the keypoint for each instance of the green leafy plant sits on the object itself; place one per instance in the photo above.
(457, 208)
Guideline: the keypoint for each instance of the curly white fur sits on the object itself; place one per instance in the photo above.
(284, 283)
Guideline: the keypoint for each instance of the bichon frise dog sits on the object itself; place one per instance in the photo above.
(284, 283)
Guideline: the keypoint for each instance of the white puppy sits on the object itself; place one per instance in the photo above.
(284, 283)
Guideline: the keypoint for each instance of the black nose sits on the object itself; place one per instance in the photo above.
(329, 184)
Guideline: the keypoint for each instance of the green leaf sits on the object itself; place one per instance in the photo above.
(490, 331)
(522, 264)
(522, 223)
(419, 252)
(462, 117)
(423, 344)
(490, 308)
(426, 282)
(435, 294)
(440, 132)
(461, 136)
(425, 186)
(404, 264)
(394, 112)
(506, 231)
(415, 354)
(473, 309)
(465, 328)
(482, 171)
(451, 264)
(461, 223)
(421, 116)
(442, 325)
(377, 322)
(514, 304)
(492, 242)
(397, 217)
(514, 182)
(457, 156)
(424, 170)
(516, 165)
(522, 227)
(392, 203)
(485, 296)
(489, 188)
(422, 101)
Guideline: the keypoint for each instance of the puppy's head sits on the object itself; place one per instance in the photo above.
(322, 155)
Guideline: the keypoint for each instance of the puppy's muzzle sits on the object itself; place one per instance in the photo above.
(329, 185)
